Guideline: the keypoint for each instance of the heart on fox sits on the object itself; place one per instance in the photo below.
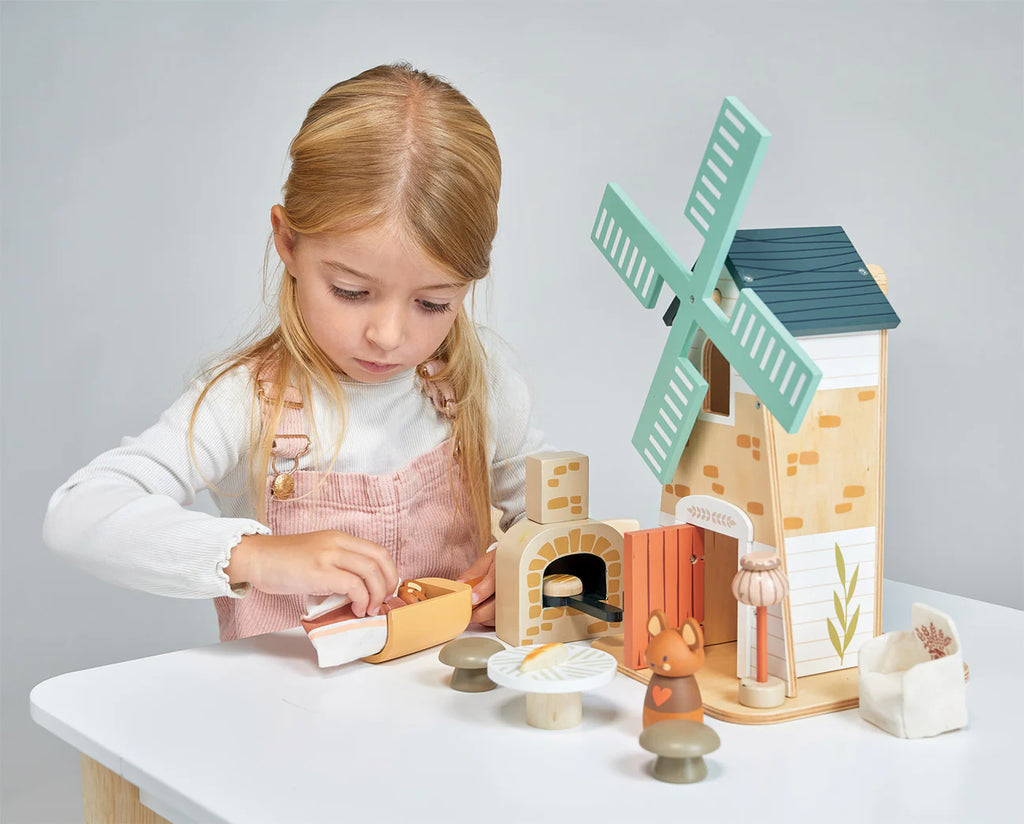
(661, 695)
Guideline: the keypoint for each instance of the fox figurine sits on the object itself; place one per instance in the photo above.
(673, 655)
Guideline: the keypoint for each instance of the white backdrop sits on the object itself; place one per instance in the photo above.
(144, 144)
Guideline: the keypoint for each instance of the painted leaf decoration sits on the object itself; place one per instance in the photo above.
(853, 585)
(840, 614)
(835, 639)
(841, 566)
(850, 630)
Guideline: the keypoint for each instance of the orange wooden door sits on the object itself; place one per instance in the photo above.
(664, 569)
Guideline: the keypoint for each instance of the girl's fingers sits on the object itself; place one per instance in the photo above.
(375, 553)
(371, 577)
(485, 589)
(351, 585)
(481, 576)
(484, 614)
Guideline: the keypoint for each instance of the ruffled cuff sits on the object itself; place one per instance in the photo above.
(244, 528)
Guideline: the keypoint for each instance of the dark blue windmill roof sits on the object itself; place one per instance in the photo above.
(812, 279)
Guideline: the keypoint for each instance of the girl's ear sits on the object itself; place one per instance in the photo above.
(657, 622)
(284, 237)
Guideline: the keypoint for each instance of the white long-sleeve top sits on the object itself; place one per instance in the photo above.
(123, 517)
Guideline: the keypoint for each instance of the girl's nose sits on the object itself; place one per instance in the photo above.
(386, 328)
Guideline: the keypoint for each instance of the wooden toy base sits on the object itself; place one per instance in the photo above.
(762, 696)
(719, 687)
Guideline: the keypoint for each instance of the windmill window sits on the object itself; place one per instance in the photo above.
(715, 369)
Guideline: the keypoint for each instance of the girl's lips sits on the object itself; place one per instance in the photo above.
(372, 366)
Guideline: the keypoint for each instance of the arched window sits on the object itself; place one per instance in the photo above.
(715, 369)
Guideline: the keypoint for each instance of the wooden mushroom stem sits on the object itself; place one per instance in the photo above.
(465, 679)
(679, 770)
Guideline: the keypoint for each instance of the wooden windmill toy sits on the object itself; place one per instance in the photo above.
(753, 341)
(765, 424)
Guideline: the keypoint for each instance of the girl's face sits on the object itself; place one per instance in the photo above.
(373, 303)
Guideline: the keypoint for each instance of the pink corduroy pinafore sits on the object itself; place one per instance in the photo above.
(411, 513)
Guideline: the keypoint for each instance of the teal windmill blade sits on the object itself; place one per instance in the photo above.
(768, 358)
(725, 177)
(753, 340)
(669, 413)
(634, 248)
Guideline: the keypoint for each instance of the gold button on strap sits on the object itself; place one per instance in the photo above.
(283, 486)
(286, 447)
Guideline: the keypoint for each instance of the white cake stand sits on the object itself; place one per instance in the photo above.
(553, 694)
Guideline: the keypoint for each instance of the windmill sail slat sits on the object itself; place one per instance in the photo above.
(675, 399)
(698, 220)
(732, 141)
(657, 261)
(722, 153)
(740, 127)
(625, 249)
(711, 187)
(704, 202)
(718, 172)
(783, 375)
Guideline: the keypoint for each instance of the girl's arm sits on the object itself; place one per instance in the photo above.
(122, 517)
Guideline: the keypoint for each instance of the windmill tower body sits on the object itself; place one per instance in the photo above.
(807, 492)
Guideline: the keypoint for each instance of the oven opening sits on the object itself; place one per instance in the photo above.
(579, 581)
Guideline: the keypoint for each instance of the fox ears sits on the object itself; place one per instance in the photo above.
(657, 623)
(693, 637)
(690, 630)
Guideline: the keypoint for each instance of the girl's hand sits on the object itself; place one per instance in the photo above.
(327, 561)
(483, 589)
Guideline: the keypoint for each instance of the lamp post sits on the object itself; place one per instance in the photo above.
(761, 583)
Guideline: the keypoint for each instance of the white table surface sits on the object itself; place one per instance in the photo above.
(253, 731)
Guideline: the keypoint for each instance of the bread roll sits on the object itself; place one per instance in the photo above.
(549, 655)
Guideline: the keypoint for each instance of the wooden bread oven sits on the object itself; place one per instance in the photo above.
(558, 572)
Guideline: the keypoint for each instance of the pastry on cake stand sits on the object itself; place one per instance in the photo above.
(553, 694)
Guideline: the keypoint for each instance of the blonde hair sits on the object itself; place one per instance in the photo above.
(389, 145)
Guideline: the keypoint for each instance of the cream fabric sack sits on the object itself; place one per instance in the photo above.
(912, 682)
(347, 638)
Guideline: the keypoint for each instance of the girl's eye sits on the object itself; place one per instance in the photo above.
(359, 294)
(347, 294)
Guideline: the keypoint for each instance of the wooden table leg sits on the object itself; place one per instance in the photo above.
(108, 798)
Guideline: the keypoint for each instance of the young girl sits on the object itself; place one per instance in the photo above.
(365, 439)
